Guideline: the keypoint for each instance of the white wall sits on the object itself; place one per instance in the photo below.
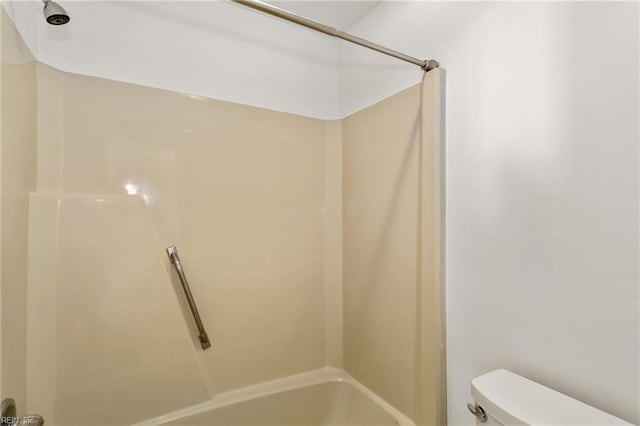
(213, 49)
(542, 170)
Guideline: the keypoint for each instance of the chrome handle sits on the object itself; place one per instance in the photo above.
(477, 411)
(172, 252)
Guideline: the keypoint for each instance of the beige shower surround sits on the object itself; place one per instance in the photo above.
(18, 177)
(393, 250)
(253, 199)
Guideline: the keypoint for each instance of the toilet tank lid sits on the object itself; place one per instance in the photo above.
(514, 400)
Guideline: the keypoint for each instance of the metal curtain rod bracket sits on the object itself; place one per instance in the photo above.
(426, 65)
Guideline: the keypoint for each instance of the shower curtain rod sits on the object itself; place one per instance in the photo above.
(426, 65)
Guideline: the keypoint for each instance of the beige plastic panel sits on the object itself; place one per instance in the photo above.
(42, 296)
(333, 245)
(393, 249)
(116, 332)
(239, 190)
(18, 153)
(380, 242)
(431, 393)
(50, 128)
(249, 197)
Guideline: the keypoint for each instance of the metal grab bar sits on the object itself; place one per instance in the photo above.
(172, 252)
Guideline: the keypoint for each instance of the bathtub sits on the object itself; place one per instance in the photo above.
(321, 397)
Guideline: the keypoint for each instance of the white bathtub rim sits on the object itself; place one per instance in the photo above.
(297, 381)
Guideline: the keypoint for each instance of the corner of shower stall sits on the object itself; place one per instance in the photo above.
(313, 249)
(393, 242)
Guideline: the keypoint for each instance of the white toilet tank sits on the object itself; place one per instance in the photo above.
(508, 399)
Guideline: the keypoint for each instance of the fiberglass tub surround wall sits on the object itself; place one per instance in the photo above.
(380, 240)
(253, 200)
(18, 153)
(126, 171)
(393, 236)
